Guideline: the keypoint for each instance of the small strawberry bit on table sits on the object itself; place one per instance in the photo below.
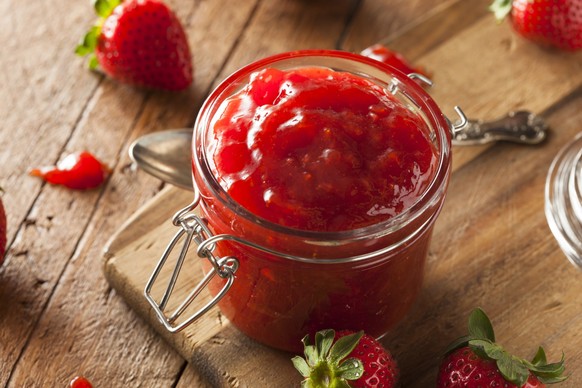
(78, 171)
(80, 382)
(346, 359)
(139, 42)
(556, 23)
(477, 361)
(383, 54)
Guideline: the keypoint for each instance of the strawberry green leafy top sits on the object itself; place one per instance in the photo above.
(140, 43)
(481, 339)
(87, 46)
(325, 363)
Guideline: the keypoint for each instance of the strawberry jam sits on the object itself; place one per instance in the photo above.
(330, 179)
(316, 149)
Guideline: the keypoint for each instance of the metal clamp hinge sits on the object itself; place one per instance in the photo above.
(192, 228)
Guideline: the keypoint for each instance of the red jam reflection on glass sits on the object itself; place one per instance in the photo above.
(342, 176)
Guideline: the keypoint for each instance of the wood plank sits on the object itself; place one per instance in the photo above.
(54, 225)
(289, 25)
(526, 76)
(115, 115)
(412, 29)
(523, 75)
(40, 97)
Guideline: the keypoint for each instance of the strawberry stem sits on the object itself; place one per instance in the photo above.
(325, 364)
(501, 8)
(88, 44)
(480, 326)
(89, 41)
(105, 7)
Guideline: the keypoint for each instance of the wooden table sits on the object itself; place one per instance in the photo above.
(59, 315)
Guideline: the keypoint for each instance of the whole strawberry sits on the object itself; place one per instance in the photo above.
(346, 359)
(139, 42)
(2, 230)
(556, 23)
(477, 361)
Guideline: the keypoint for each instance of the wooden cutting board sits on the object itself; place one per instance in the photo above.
(491, 246)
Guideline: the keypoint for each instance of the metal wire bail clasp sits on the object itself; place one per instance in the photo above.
(460, 125)
(192, 228)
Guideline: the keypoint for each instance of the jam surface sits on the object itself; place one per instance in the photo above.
(315, 149)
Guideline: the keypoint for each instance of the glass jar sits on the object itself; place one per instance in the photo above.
(276, 283)
(563, 200)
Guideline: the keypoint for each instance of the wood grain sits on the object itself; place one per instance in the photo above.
(375, 22)
(492, 251)
(492, 248)
(493, 272)
(59, 317)
(52, 256)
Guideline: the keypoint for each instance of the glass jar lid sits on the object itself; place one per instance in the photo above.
(563, 200)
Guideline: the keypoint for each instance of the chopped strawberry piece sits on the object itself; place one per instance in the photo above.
(79, 171)
(80, 382)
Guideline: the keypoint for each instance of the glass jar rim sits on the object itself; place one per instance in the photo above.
(413, 91)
